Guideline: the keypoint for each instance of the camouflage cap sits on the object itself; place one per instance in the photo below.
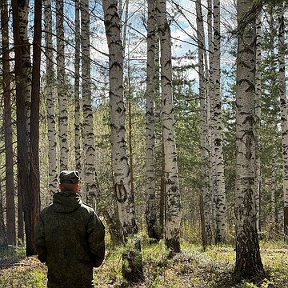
(71, 177)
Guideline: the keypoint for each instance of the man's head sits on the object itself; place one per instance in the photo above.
(69, 181)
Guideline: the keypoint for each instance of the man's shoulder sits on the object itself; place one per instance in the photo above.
(46, 209)
(86, 207)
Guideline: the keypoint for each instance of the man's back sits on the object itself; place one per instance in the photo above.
(70, 239)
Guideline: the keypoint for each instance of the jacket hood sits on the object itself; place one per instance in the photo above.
(66, 201)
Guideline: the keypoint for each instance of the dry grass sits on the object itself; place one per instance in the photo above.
(191, 268)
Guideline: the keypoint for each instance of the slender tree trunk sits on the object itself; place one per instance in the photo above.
(258, 96)
(173, 213)
(50, 98)
(283, 108)
(217, 133)
(203, 127)
(77, 123)
(248, 259)
(120, 164)
(88, 139)
(34, 123)
(61, 84)
(209, 87)
(9, 157)
(151, 207)
(22, 135)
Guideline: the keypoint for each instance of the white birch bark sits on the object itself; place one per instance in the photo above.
(77, 123)
(27, 69)
(248, 260)
(62, 96)
(217, 132)
(274, 186)
(203, 124)
(283, 109)
(151, 82)
(258, 94)
(173, 206)
(50, 98)
(210, 89)
(88, 137)
(120, 165)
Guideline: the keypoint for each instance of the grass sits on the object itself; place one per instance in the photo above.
(191, 268)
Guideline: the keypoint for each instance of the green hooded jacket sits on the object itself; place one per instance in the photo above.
(70, 239)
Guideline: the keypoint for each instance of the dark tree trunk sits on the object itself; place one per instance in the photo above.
(34, 126)
(114, 226)
(10, 189)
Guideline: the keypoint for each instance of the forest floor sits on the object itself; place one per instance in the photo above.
(191, 268)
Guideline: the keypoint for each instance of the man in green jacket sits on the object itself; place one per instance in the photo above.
(70, 237)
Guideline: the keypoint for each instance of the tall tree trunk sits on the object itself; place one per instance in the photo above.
(151, 82)
(258, 97)
(22, 135)
(209, 87)
(173, 213)
(88, 139)
(9, 157)
(77, 123)
(34, 123)
(248, 259)
(120, 164)
(50, 98)
(206, 197)
(61, 84)
(283, 108)
(217, 133)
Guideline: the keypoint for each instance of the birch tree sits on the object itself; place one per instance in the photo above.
(61, 91)
(9, 157)
(77, 122)
(258, 93)
(151, 82)
(283, 109)
(207, 237)
(248, 260)
(217, 132)
(88, 134)
(50, 99)
(120, 164)
(173, 213)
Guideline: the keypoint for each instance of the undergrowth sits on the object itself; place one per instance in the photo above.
(191, 268)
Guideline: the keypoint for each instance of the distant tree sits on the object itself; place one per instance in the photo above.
(248, 260)
(9, 155)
